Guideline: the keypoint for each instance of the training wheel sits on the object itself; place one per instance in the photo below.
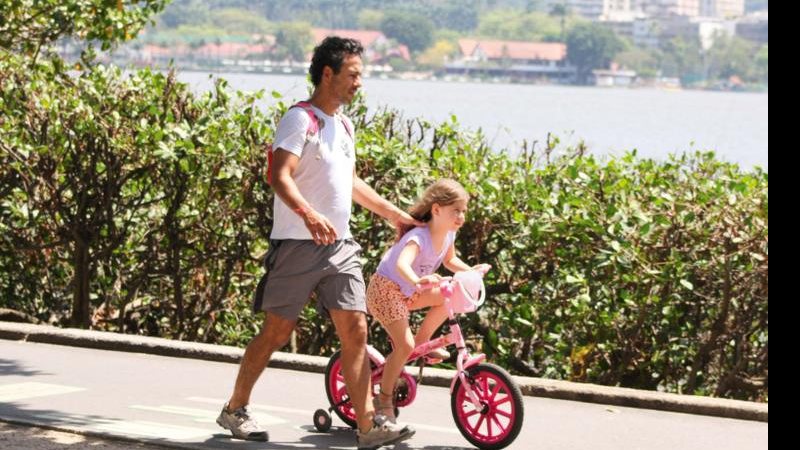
(322, 420)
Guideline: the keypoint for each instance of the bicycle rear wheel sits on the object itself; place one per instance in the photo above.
(337, 391)
(498, 421)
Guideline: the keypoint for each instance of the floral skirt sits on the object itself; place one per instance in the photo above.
(386, 302)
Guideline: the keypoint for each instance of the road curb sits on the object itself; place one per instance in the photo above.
(537, 387)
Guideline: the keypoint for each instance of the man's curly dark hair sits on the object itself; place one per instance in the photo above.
(332, 52)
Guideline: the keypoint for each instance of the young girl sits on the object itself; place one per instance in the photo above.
(411, 261)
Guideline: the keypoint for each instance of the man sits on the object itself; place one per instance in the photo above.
(311, 248)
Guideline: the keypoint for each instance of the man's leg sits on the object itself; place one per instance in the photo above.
(275, 333)
(351, 326)
(234, 415)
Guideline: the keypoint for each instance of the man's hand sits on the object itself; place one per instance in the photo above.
(404, 218)
(401, 219)
(321, 229)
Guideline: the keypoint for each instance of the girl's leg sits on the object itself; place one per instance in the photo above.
(435, 316)
(403, 341)
(433, 320)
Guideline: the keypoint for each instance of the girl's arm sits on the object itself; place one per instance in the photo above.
(404, 261)
(453, 262)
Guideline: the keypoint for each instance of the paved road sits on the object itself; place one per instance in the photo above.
(173, 402)
(25, 437)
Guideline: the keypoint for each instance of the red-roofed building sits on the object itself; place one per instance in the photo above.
(231, 50)
(516, 51)
(514, 59)
(368, 38)
(150, 53)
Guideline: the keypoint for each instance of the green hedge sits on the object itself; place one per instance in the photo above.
(129, 204)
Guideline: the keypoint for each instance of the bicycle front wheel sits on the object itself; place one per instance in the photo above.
(498, 420)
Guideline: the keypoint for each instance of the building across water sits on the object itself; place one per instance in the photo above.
(514, 60)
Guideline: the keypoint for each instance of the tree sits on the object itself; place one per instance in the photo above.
(26, 27)
(412, 30)
(184, 12)
(370, 19)
(238, 21)
(762, 63)
(643, 61)
(510, 24)
(293, 40)
(591, 46)
(29, 25)
(461, 16)
(560, 10)
(436, 56)
(681, 58)
(731, 56)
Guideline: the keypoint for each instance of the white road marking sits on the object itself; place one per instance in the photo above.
(31, 389)
(308, 413)
(206, 416)
(125, 427)
(252, 406)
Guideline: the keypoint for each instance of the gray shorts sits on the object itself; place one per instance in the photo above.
(296, 268)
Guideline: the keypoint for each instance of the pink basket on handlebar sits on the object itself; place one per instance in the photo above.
(468, 292)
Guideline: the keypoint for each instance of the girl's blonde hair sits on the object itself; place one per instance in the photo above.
(443, 192)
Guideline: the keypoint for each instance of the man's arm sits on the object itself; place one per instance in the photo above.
(284, 164)
(365, 196)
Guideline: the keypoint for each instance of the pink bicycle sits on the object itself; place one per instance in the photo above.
(485, 401)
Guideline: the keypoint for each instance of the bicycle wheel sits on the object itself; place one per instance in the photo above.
(337, 391)
(498, 422)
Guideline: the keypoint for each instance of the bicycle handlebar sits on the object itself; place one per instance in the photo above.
(463, 297)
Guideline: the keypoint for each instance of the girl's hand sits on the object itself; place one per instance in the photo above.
(428, 281)
(482, 268)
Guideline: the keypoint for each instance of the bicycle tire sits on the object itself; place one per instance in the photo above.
(499, 422)
(336, 390)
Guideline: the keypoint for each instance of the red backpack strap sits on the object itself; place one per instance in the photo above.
(313, 128)
(269, 164)
(347, 128)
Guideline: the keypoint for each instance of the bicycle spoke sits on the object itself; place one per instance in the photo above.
(500, 426)
(501, 401)
(477, 428)
(471, 413)
(495, 420)
(341, 392)
(497, 388)
(503, 413)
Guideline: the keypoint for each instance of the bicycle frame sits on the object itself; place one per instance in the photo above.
(454, 337)
(486, 402)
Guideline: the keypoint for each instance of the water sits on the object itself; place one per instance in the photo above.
(610, 121)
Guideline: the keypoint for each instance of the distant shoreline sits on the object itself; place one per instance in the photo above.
(430, 76)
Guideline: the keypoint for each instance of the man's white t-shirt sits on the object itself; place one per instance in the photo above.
(324, 174)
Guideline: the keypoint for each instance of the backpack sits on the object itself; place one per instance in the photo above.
(313, 129)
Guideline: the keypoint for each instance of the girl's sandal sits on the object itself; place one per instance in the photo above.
(385, 409)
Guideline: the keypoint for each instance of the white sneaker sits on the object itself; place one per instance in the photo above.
(241, 424)
(383, 432)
